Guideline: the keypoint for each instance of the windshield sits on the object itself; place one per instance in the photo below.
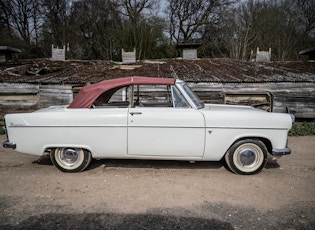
(193, 96)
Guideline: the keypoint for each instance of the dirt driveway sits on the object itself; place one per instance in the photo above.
(121, 194)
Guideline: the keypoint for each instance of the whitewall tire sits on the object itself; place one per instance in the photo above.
(70, 159)
(247, 156)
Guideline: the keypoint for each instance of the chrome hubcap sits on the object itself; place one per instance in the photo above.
(248, 157)
(69, 157)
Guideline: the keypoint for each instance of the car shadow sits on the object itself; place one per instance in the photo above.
(43, 160)
(131, 163)
(272, 164)
(156, 164)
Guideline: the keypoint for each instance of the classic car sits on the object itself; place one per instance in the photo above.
(149, 118)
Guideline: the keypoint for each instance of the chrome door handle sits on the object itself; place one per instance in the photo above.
(135, 113)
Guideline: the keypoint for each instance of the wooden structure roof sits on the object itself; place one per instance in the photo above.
(202, 70)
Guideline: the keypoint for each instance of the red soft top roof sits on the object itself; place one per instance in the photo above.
(88, 94)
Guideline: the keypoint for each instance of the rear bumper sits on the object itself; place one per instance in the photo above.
(9, 145)
(281, 152)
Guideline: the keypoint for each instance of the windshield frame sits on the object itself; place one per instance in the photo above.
(179, 100)
(190, 95)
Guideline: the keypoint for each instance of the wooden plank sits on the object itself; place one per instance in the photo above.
(55, 95)
(254, 87)
(18, 97)
(261, 101)
(6, 88)
(299, 98)
(24, 105)
(211, 97)
(302, 104)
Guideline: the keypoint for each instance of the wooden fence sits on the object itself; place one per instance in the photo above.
(295, 98)
(26, 97)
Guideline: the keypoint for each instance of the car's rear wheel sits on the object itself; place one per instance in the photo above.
(70, 159)
(247, 156)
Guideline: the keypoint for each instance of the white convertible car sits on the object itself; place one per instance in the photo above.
(149, 118)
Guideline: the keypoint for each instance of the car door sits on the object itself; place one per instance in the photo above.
(167, 132)
(157, 129)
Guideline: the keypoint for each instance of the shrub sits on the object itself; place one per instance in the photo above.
(303, 129)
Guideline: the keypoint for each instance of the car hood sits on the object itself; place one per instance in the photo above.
(220, 107)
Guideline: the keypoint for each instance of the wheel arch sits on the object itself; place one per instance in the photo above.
(49, 147)
(70, 159)
(266, 142)
(242, 150)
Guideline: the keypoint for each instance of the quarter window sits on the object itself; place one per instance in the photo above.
(118, 97)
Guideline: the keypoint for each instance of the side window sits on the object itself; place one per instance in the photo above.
(152, 96)
(178, 99)
(119, 98)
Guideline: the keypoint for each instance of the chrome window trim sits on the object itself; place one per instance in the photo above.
(180, 85)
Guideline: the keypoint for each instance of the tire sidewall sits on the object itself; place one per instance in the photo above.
(83, 163)
(231, 156)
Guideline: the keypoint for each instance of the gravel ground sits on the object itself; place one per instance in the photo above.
(130, 194)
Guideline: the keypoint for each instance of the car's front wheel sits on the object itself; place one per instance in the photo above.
(247, 156)
(70, 159)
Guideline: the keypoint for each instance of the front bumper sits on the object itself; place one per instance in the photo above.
(281, 152)
(8, 144)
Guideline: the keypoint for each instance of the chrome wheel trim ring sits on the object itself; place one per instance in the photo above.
(69, 157)
(248, 157)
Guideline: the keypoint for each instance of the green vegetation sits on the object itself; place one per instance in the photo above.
(303, 129)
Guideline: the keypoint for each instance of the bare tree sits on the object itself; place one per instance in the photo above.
(306, 8)
(136, 26)
(237, 29)
(286, 26)
(23, 18)
(134, 9)
(189, 19)
(56, 27)
(4, 17)
(97, 24)
(98, 29)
